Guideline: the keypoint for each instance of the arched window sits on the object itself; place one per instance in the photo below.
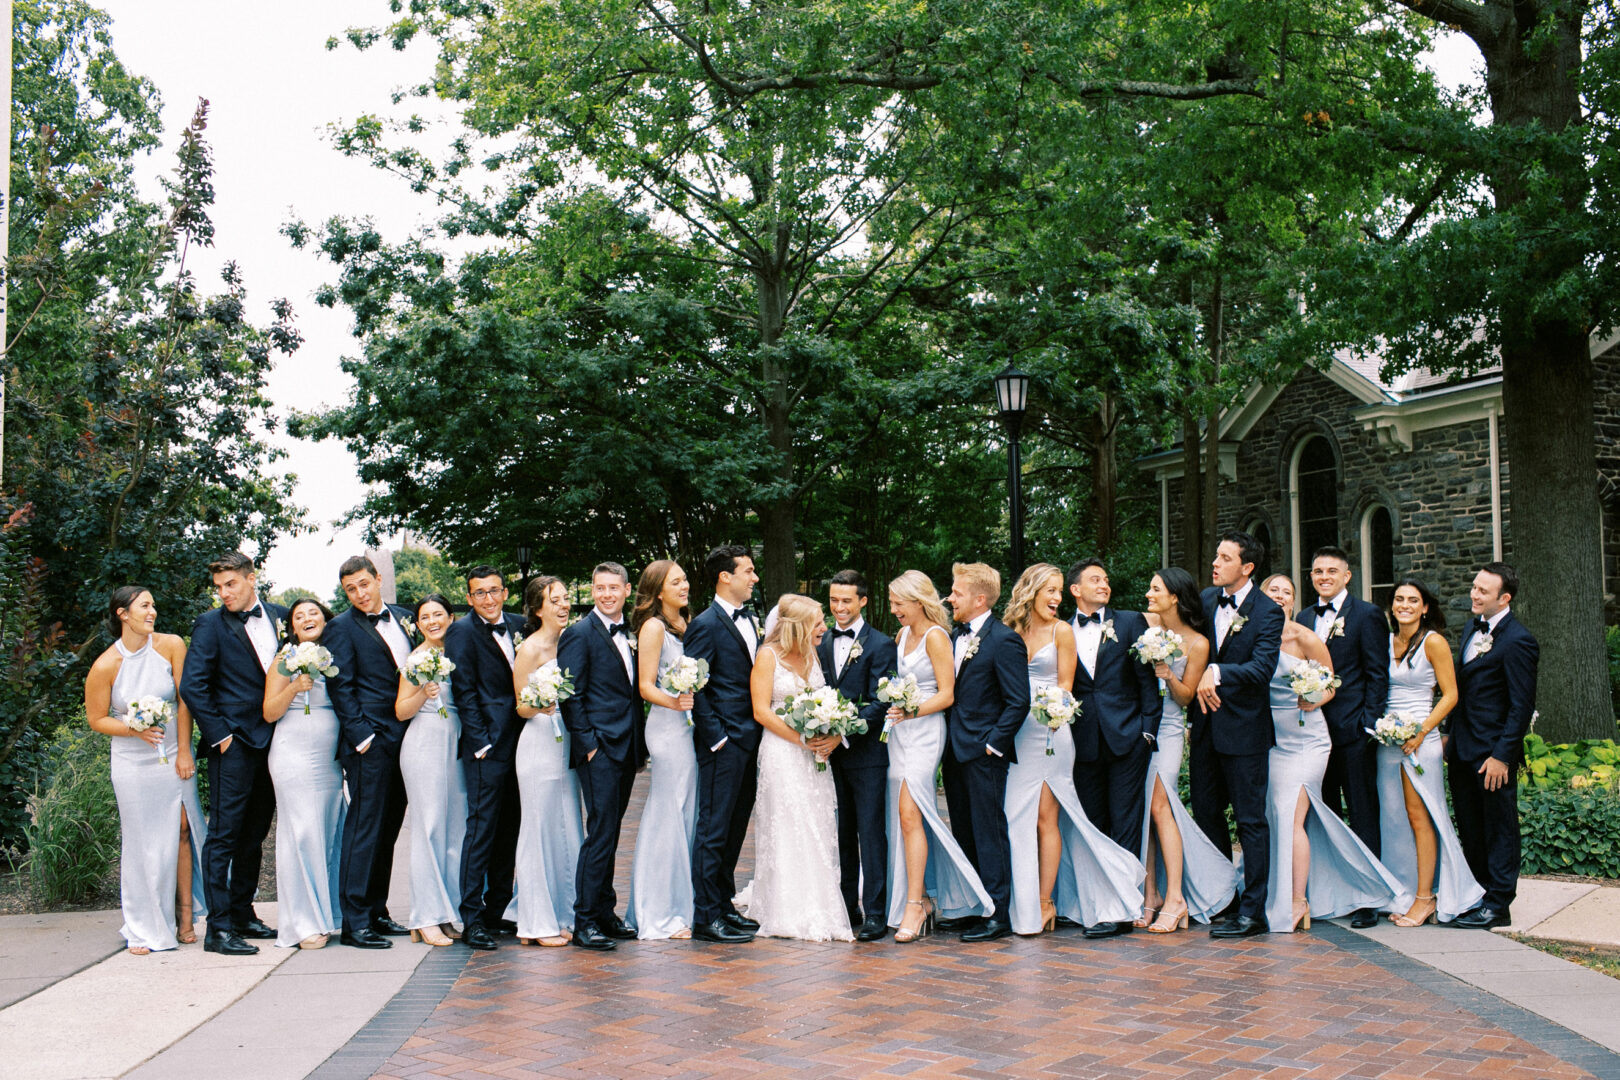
(1313, 494)
(1377, 555)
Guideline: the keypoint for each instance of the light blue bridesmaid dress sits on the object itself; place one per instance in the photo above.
(551, 829)
(661, 901)
(151, 797)
(309, 818)
(436, 793)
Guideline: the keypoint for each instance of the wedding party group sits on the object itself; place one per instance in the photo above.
(1328, 735)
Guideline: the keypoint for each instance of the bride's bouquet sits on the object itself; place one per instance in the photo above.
(429, 665)
(1311, 682)
(146, 713)
(1053, 707)
(1397, 729)
(1158, 645)
(821, 712)
(306, 658)
(903, 693)
(547, 688)
(687, 675)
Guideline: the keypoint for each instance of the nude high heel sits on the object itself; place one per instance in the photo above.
(432, 935)
(1169, 921)
(1407, 920)
(925, 926)
(1302, 919)
(1048, 916)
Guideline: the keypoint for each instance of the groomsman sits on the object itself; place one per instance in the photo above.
(854, 657)
(992, 699)
(603, 718)
(222, 683)
(727, 634)
(1120, 709)
(482, 646)
(1496, 684)
(368, 643)
(1231, 742)
(1357, 637)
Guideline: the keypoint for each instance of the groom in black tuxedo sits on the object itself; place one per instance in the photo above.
(368, 643)
(1232, 739)
(1120, 709)
(727, 634)
(1496, 687)
(604, 727)
(483, 646)
(992, 699)
(222, 683)
(854, 657)
(1357, 637)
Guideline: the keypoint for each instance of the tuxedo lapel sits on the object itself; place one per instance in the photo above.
(376, 636)
(607, 635)
(824, 652)
(1232, 631)
(731, 625)
(239, 628)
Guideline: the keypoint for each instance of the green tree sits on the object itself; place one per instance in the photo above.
(419, 572)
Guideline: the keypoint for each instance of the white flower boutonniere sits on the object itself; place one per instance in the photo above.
(517, 639)
(1337, 629)
(972, 648)
(1108, 631)
(759, 628)
(1483, 642)
(854, 651)
(407, 625)
(1238, 624)
(281, 630)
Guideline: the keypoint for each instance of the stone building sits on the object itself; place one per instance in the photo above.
(1408, 476)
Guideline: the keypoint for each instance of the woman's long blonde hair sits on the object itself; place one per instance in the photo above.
(918, 588)
(1021, 608)
(795, 628)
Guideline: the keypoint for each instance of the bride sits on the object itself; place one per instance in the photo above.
(794, 893)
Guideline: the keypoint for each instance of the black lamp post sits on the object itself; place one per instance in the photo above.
(1012, 398)
(524, 554)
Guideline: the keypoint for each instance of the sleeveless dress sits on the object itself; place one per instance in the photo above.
(661, 899)
(1344, 875)
(1411, 691)
(437, 795)
(550, 830)
(1209, 879)
(151, 798)
(1098, 881)
(309, 818)
(795, 891)
(916, 745)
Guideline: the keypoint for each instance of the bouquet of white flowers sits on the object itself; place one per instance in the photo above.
(901, 692)
(149, 712)
(1159, 646)
(821, 712)
(429, 665)
(306, 658)
(1397, 729)
(1311, 682)
(1053, 707)
(547, 688)
(687, 675)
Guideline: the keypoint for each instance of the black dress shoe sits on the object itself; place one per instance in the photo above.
(720, 931)
(959, 924)
(988, 930)
(1482, 918)
(1063, 921)
(228, 942)
(503, 926)
(616, 928)
(1239, 926)
(254, 928)
(1107, 929)
(590, 936)
(740, 922)
(873, 929)
(478, 937)
(1363, 918)
(383, 926)
(364, 938)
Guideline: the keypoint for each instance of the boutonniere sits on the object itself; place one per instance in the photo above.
(281, 630)
(1238, 623)
(407, 625)
(1483, 642)
(973, 647)
(631, 643)
(759, 628)
(1108, 631)
(1337, 629)
(517, 639)
(854, 651)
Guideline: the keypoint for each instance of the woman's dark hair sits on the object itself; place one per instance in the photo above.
(534, 597)
(291, 636)
(121, 598)
(1189, 604)
(433, 598)
(650, 598)
(1433, 619)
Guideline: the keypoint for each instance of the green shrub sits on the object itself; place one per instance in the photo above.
(73, 837)
(1591, 762)
(1611, 637)
(1570, 831)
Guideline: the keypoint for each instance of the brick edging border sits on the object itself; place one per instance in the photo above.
(370, 1048)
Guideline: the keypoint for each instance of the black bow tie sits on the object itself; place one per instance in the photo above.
(1325, 609)
(962, 630)
(381, 617)
(843, 633)
(743, 613)
(1082, 619)
(618, 628)
(252, 613)
(495, 628)
(1226, 601)
(1482, 625)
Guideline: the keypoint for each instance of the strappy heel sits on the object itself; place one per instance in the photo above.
(1048, 916)
(1145, 920)
(904, 936)
(432, 935)
(185, 931)
(1407, 920)
(1302, 919)
(1177, 920)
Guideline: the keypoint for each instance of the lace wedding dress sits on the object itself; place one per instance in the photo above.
(795, 893)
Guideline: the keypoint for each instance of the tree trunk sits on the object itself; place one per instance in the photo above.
(1212, 427)
(1193, 548)
(777, 516)
(1105, 475)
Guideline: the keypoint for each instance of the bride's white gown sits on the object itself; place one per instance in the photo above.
(794, 893)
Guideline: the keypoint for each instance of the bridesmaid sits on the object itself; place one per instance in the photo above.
(435, 789)
(153, 777)
(1187, 874)
(1415, 822)
(1046, 827)
(309, 792)
(923, 855)
(661, 900)
(1332, 872)
(552, 827)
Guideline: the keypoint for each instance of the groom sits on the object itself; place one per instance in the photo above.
(725, 737)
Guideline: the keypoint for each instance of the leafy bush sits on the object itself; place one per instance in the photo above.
(1611, 637)
(1591, 762)
(1570, 831)
(73, 837)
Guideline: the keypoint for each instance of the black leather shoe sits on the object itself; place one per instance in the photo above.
(740, 922)
(618, 929)
(1482, 918)
(988, 930)
(959, 924)
(719, 931)
(228, 942)
(365, 939)
(590, 936)
(503, 926)
(1064, 922)
(477, 937)
(1363, 918)
(1107, 929)
(254, 928)
(873, 929)
(383, 926)
(1238, 926)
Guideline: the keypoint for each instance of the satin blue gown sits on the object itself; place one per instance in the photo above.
(1344, 874)
(916, 745)
(436, 793)
(1411, 691)
(661, 899)
(309, 818)
(151, 797)
(551, 829)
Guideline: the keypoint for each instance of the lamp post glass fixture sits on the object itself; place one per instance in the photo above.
(524, 554)
(1012, 398)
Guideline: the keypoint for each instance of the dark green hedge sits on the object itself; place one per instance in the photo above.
(1570, 831)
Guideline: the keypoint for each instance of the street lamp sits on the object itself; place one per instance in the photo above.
(1012, 398)
(524, 554)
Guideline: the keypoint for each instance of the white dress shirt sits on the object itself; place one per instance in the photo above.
(1088, 640)
(503, 639)
(399, 646)
(1324, 622)
(620, 642)
(745, 627)
(1224, 617)
(1491, 624)
(842, 647)
(262, 633)
(960, 645)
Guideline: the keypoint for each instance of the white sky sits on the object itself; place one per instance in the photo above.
(273, 88)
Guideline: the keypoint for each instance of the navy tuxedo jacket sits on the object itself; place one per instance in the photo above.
(724, 708)
(1496, 695)
(992, 694)
(1361, 661)
(605, 712)
(486, 699)
(1248, 660)
(366, 686)
(222, 682)
(1121, 703)
(859, 682)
